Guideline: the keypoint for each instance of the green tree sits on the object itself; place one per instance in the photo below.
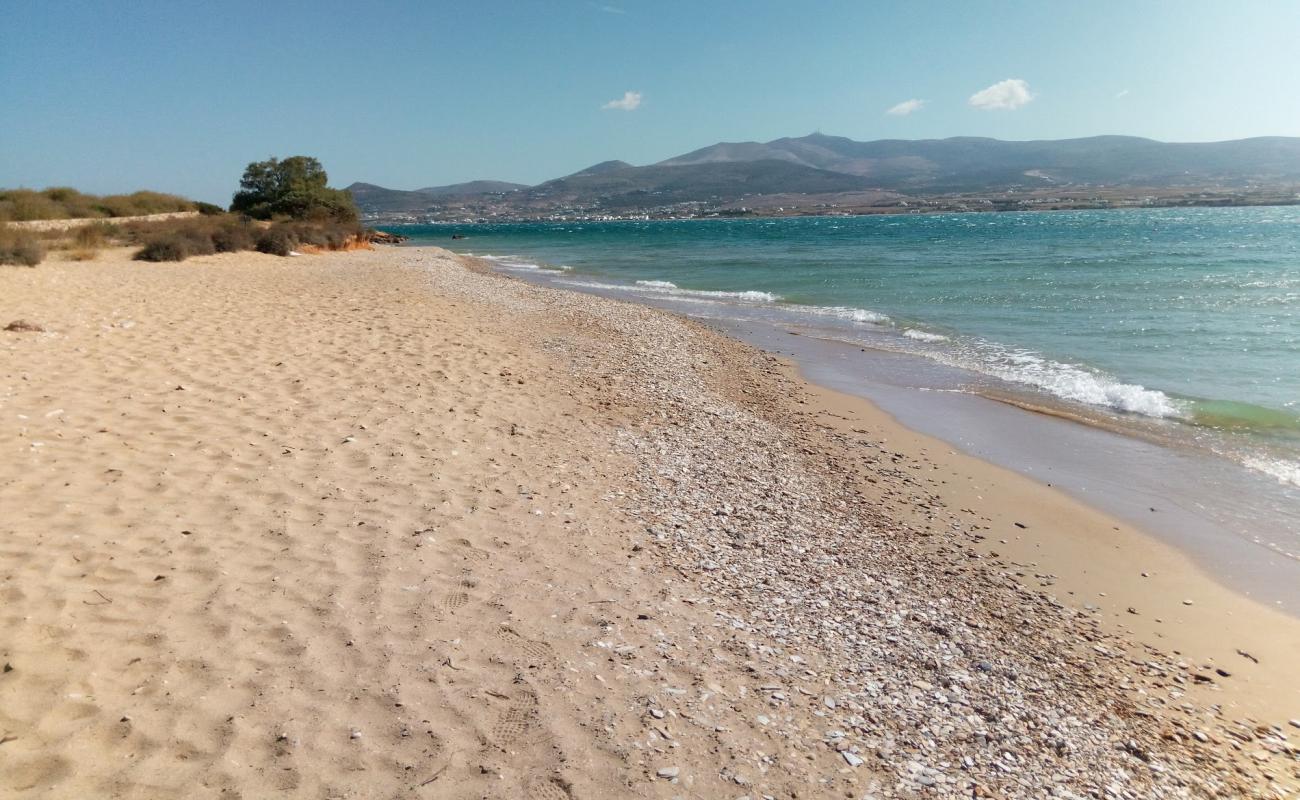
(295, 187)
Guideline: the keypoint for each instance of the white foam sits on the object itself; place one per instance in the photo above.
(924, 336)
(1286, 472)
(844, 312)
(1071, 382)
(512, 262)
(670, 288)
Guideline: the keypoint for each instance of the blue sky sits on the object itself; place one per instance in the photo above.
(180, 96)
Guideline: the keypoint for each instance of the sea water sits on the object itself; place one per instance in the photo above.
(1180, 326)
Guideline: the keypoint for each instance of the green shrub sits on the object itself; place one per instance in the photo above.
(168, 247)
(20, 248)
(295, 188)
(209, 209)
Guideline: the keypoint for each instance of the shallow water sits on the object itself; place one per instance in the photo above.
(1188, 315)
(1179, 329)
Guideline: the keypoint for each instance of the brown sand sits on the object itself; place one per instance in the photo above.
(309, 528)
(1134, 583)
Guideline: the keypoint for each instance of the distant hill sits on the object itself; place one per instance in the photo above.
(829, 172)
(473, 187)
(372, 199)
(626, 186)
(602, 167)
(975, 164)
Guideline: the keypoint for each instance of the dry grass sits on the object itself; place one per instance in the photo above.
(65, 203)
(20, 247)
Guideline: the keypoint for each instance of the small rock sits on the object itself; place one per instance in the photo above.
(1187, 602)
(1294, 723)
(668, 773)
(23, 326)
(656, 713)
(1200, 736)
(9, 668)
(851, 759)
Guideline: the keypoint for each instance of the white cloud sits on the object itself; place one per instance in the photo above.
(629, 102)
(906, 107)
(1121, 93)
(1004, 95)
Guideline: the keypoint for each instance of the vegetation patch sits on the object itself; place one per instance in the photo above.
(20, 248)
(61, 202)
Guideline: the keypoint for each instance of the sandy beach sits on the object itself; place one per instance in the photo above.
(384, 524)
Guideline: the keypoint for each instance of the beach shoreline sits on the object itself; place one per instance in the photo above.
(382, 522)
(1233, 521)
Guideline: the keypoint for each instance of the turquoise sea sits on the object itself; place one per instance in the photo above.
(1180, 322)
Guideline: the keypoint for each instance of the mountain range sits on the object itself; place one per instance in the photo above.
(888, 171)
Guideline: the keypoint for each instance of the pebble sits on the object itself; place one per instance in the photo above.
(851, 759)
(878, 596)
(668, 773)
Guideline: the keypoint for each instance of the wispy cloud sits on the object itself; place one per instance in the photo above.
(1005, 95)
(630, 101)
(607, 8)
(906, 107)
(1121, 93)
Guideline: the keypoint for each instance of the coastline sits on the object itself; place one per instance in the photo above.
(1209, 497)
(1135, 583)
(604, 549)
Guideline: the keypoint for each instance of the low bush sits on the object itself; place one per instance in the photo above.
(20, 248)
(277, 241)
(198, 239)
(96, 234)
(230, 234)
(168, 247)
(61, 202)
(232, 237)
(209, 209)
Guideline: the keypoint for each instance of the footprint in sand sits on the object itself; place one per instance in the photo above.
(534, 650)
(548, 789)
(467, 549)
(455, 600)
(519, 720)
(513, 723)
